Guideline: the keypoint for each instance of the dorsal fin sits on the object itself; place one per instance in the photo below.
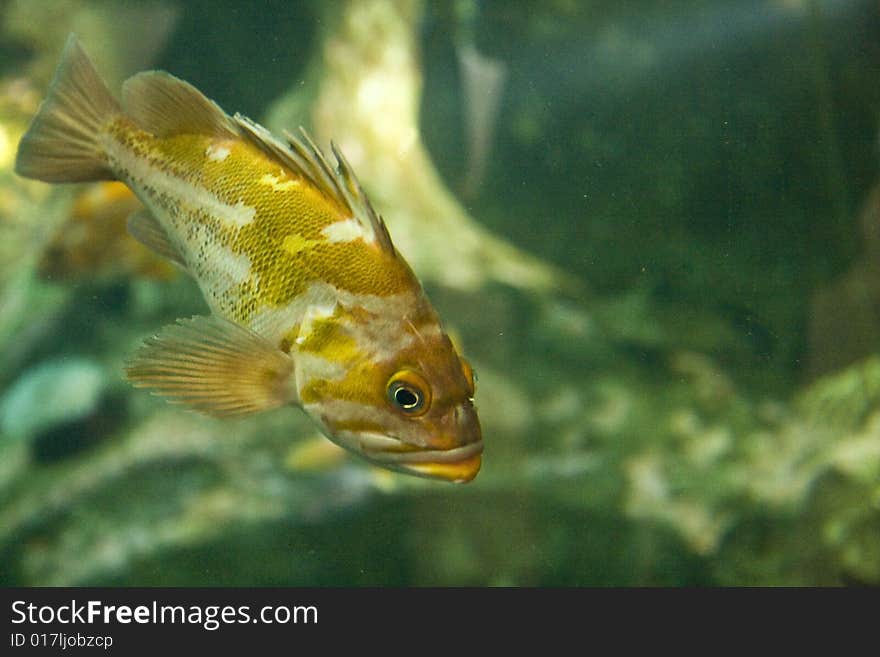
(305, 159)
(165, 105)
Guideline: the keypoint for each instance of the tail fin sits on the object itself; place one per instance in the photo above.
(61, 144)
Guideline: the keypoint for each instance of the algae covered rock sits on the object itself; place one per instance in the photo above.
(49, 394)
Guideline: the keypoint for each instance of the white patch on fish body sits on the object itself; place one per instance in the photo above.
(388, 332)
(310, 367)
(218, 271)
(382, 338)
(241, 214)
(397, 305)
(141, 174)
(312, 314)
(277, 184)
(347, 230)
(236, 269)
(217, 153)
(275, 323)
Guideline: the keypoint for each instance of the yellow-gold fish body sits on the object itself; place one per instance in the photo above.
(310, 302)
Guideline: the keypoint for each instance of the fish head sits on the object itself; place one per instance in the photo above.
(409, 408)
(436, 431)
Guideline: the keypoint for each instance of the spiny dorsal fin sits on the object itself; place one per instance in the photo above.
(165, 105)
(357, 197)
(147, 230)
(305, 159)
(214, 366)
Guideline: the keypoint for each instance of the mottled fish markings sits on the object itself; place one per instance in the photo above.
(310, 302)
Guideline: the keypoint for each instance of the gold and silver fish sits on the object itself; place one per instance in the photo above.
(311, 304)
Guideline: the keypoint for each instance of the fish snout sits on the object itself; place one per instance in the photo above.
(461, 460)
(452, 452)
(458, 465)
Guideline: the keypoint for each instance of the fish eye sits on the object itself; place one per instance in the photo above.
(409, 399)
(409, 392)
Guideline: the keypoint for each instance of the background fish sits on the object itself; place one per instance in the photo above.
(93, 242)
(311, 304)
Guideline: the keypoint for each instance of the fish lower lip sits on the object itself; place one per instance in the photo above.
(458, 472)
(459, 465)
(433, 455)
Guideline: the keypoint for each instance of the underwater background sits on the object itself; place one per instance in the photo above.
(653, 228)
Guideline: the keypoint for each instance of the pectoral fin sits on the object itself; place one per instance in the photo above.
(144, 227)
(214, 366)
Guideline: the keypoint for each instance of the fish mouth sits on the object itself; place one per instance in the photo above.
(457, 465)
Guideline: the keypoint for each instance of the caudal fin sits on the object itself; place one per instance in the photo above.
(61, 144)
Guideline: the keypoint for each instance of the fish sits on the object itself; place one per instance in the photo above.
(93, 242)
(311, 305)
